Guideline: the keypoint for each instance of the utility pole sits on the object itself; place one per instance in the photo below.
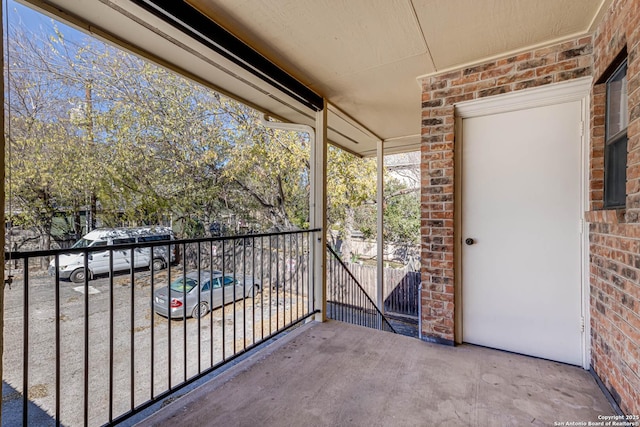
(91, 213)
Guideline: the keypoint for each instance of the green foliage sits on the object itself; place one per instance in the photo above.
(92, 125)
(402, 214)
(351, 181)
(271, 168)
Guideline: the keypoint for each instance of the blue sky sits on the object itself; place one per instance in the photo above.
(18, 14)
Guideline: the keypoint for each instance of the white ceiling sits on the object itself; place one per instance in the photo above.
(363, 56)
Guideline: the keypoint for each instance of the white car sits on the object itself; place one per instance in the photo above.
(71, 266)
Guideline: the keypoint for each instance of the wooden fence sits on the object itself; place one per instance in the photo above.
(400, 289)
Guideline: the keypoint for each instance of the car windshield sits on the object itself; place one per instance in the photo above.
(179, 284)
(82, 243)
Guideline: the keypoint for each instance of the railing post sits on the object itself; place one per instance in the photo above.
(319, 212)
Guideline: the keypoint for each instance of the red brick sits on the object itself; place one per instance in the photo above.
(474, 87)
(460, 98)
(558, 66)
(452, 91)
(517, 77)
(510, 60)
(545, 52)
(497, 72)
(466, 79)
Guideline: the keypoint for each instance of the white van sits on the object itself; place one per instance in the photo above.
(71, 266)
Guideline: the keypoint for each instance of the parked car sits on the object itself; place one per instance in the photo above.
(172, 303)
(71, 266)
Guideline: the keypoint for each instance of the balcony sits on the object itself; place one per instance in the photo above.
(76, 353)
(98, 352)
(338, 374)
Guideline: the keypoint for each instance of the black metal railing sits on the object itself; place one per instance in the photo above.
(347, 301)
(92, 341)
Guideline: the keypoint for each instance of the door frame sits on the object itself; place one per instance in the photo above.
(558, 93)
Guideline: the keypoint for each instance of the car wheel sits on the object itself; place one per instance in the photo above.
(158, 264)
(77, 276)
(200, 310)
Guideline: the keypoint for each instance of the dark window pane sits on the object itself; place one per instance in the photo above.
(153, 238)
(615, 155)
(615, 173)
(123, 241)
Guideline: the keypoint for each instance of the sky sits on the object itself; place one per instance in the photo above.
(18, 14)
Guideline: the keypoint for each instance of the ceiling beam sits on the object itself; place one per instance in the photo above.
(190, 21)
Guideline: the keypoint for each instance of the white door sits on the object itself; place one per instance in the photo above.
(521, 205)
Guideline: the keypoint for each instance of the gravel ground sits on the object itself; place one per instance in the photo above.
(142, 340)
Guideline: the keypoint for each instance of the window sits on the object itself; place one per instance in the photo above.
(615, 153)
(178, 285)
(124, 241)
(156, 238)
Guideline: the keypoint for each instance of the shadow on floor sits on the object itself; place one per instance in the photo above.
(404, 326)
(12, 410)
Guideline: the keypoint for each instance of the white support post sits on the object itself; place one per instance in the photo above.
(319, 212)
(380, 227)
(2, 199)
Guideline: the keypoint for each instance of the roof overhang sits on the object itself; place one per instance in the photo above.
(144, 33)
(362, 56)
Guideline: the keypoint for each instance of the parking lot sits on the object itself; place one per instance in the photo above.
(144, 354)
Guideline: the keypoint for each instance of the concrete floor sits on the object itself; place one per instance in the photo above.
(335, 374)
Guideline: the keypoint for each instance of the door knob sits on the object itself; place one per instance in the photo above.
(469, 241)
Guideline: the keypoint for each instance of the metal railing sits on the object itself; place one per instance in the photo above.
(97, 348)
(347, 301)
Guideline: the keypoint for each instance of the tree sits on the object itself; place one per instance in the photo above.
(401, 216)
(130, 135)
(94, 128)
(351, 182)
(167, 137)
(42, 140)
(272, 168)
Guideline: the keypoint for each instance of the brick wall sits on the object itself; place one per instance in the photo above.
(614, 235)
(615, 305)
(440, 93)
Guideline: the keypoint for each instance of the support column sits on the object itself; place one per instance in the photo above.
(2, 199)
(319, 211)
(380, 226)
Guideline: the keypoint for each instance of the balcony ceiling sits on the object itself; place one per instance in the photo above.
(363, 56)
